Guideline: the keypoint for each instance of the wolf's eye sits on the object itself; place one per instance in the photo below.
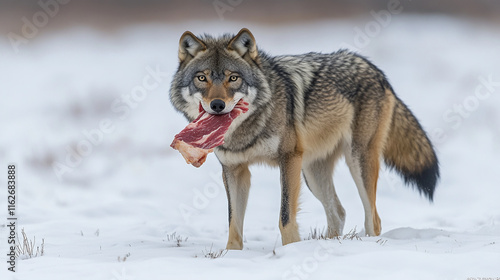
(202, 78)
(233, 78)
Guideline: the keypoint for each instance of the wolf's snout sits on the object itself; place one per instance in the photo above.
(217, 105)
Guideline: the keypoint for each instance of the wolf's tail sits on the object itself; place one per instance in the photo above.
(409, 151)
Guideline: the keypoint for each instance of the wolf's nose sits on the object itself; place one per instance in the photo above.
(217, 105)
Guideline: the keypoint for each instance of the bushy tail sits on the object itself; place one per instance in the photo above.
(410, 153)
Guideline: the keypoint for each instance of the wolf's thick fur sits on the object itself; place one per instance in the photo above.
(305, 112)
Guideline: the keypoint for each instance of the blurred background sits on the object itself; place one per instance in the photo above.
(86, 116)
(115, 14)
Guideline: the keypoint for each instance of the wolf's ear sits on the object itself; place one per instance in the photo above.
(189, 46)
(244, 43)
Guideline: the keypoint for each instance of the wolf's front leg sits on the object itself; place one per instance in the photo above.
(237, 183)
(290, 169)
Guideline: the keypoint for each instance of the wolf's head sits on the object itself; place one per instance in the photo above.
(217, 73)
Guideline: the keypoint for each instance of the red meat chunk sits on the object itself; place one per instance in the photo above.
(205, 133)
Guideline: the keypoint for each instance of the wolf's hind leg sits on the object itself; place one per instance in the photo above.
(367, 188)
(319, 178)
(363, 155)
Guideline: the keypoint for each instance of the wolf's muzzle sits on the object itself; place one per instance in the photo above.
(217, 105)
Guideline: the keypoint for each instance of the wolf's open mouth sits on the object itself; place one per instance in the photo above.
(228, 109)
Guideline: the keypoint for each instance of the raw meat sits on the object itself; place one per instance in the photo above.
(205, 133)
(192, 155)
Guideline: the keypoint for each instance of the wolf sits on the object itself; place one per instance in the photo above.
(305, 112)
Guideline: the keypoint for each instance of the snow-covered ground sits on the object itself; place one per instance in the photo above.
(116, 211)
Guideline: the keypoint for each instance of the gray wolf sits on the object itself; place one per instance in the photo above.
(306, 111)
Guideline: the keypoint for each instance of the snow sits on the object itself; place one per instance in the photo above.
(131, 191)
